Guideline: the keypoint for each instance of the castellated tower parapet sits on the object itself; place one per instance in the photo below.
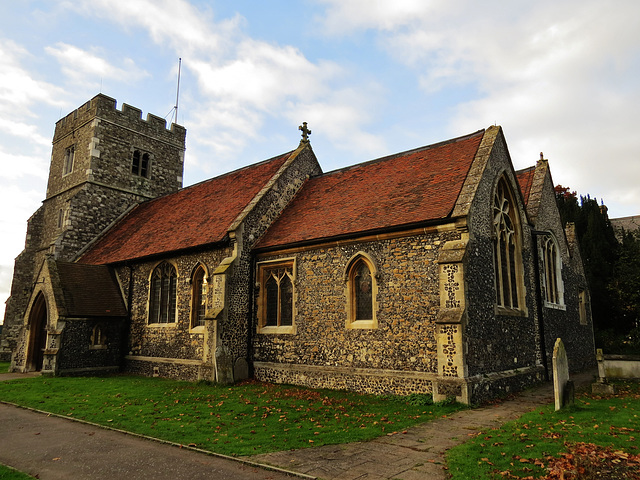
(104, 141)
(103, 162)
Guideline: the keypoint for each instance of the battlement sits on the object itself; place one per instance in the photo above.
(104, 107)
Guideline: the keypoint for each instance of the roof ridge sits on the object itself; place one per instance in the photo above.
(404, 153)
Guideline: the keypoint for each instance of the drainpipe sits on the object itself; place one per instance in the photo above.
(536, 260)
(250, 326)
(126, 328)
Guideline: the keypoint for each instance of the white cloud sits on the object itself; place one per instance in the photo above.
(18, 89)
(85, 67)
(559, 76)
(13, 225)
(174, 22)
(17, 128)
(15, 166)
(343, 17)
(241, 81)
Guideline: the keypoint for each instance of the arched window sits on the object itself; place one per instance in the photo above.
(162, 294)
(361, 291)
(507, 253)
(198, 297)
(98, 338)
(552, 278)
(69, 155)
(276, 312)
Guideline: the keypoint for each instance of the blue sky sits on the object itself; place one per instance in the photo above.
(371, 78)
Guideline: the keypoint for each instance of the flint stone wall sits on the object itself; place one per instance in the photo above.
(76, 353)
(175, 340)
(408, 302)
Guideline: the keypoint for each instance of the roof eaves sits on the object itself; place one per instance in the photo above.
(354, 235)
(169, 253)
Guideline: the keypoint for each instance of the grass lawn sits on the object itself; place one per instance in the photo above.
(4, 368)
(8, 473)
(243, 419)
(544, 441)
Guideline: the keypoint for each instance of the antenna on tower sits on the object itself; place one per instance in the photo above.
(174, 111)
(178, 88)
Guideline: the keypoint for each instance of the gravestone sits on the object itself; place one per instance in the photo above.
(602, 387)
(562, 388)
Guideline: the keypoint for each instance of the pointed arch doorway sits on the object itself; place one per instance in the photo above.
(37, 333)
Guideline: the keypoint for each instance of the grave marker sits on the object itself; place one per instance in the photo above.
(562, 387)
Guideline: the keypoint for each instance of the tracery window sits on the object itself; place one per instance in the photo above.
(198, 297)
(140, 163)
(162, 294)
(552, 278)
(276, 301)
(507, 249)
(361, 290)
(69, 155)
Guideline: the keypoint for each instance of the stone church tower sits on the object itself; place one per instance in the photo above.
(103, 162)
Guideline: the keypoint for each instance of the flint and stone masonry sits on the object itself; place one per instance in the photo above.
(438, 324)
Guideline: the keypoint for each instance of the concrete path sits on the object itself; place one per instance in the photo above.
(418, 454)
(57, 448)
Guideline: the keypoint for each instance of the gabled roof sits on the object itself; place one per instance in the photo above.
(192, 217)
(525, 179)
(89, 290)
(408, 188)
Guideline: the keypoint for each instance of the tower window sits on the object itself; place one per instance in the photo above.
(69, 154)
(140, 163)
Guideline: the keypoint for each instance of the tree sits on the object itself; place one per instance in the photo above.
(626, 281)
(612, 268)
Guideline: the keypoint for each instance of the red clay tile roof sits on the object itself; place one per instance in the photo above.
(90, 290)
(403, 189)
(194, 216)
(525, 179)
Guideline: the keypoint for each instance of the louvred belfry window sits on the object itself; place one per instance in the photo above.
(162, 300)
(140, 163)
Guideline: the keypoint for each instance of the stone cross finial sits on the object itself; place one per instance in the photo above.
(305, 132)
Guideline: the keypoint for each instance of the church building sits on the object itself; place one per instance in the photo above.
(436, 270)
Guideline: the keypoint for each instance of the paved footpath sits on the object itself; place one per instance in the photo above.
(418, 454)
(57, 448)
